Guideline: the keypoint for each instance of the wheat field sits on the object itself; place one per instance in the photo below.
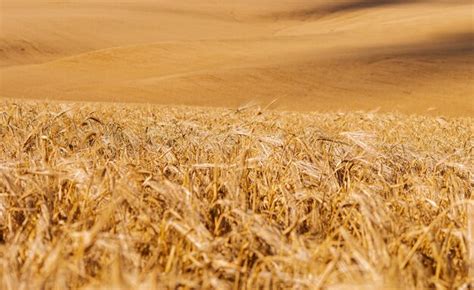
(105, 196)
(412, 56)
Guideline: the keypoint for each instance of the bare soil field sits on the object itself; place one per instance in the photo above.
(410, 56)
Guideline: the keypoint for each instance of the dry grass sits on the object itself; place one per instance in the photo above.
(110, 196)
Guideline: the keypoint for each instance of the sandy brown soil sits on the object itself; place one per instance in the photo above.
(411, 56)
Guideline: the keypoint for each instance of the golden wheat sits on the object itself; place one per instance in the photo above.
(151, 197)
